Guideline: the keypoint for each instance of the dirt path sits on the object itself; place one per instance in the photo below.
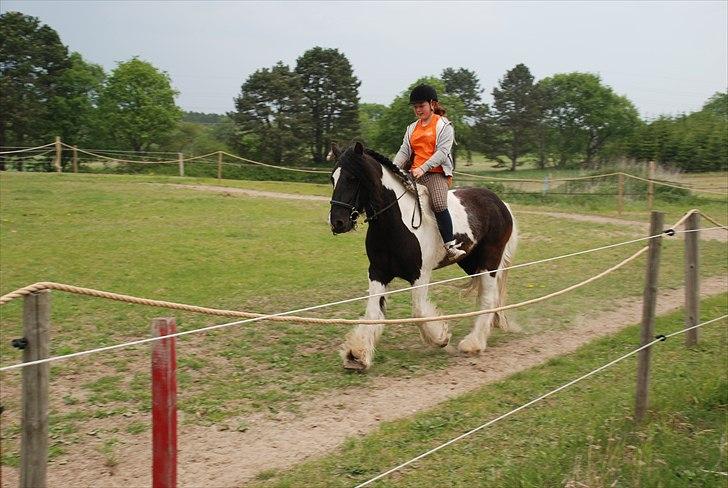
(213, 458)
(714, 234)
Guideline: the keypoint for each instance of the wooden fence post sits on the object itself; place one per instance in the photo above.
(219, 165)
(164, 405)
(75, 159)
(181, 159)
(620, 197)
(692, 279)
(650, 185)
(34, 440)
(649, 301)
(59, 150)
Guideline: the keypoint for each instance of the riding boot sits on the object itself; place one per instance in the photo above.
(444, 224)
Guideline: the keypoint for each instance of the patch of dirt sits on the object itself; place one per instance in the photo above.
(713, 234)
(212, 457)
(229, 191)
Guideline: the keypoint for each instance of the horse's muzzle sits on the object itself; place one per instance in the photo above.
(340, 226)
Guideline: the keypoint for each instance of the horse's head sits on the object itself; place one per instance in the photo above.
(352, 187)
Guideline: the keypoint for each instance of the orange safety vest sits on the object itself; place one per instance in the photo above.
(422, 142)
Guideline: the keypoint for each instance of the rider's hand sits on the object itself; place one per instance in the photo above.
(417, 172)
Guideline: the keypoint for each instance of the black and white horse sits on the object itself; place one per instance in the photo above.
(399, 247)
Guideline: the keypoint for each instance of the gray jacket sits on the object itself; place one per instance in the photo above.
(444, 138)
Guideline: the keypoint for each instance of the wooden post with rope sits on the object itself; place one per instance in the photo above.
(75, 159)
(650, 185)
(649, 302)
(59, 150)
(35, 345)
(692, 278)
(181, 159)
(219, 165)
(164, 405)
(620, 197)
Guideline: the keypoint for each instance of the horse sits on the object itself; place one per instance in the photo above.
(403, 241)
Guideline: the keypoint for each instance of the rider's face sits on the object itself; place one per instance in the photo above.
(423, 110)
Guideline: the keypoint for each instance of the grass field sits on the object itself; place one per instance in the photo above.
(134, 235)
(583, 436)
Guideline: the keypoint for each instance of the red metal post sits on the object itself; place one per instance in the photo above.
(164, 405)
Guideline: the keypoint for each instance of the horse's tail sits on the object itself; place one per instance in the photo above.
(500, 319)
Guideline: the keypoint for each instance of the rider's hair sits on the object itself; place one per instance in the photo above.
(438, 108)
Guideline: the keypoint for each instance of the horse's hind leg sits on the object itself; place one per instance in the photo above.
(358, 349)
(476, 341)
(433, 333)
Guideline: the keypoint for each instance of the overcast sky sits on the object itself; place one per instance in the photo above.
(667, 57)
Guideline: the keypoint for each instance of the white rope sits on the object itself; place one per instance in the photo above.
(656, 182)
(274, 166)
(27, 149)
(525, 405)
(532, 180)
(11, 159)
(325, 305)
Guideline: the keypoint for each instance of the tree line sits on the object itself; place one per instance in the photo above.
(290, 114)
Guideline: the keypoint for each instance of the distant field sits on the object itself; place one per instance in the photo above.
(138, 236)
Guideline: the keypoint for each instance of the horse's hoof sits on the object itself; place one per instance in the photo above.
(353, 363)
(469, 348)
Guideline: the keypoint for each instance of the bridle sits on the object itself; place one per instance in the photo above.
(353, 207)
(371, 214)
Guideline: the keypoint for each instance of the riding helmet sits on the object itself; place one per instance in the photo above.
(423, 93)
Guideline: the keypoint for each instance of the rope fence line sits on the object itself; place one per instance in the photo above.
(536, 400)
(301, 170)
(288, 317)
(27, 149)
(576, 178)
(258, 163)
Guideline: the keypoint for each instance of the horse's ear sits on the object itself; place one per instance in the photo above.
(335, 151)
(359, 148)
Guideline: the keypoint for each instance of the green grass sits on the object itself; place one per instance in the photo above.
(582, 436)
(123, 234)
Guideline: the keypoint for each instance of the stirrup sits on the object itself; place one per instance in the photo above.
(453, 250)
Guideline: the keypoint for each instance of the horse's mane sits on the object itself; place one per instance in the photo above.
(387, 163)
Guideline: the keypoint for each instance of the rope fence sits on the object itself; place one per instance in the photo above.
(661, 338)
(127, 157)
(288, 317)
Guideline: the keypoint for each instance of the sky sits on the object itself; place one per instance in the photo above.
(666, 57)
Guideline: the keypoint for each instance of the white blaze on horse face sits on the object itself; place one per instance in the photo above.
(335, 176)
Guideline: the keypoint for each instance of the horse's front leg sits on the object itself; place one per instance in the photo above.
(433, 333)
(358, 349)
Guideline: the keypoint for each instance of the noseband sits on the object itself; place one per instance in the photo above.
(353, 207)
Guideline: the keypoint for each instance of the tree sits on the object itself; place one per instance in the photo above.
(513, 116)
(464, 84)
(72, 107)
(399, 115)
(32, 60)
(331, 93)
(370, 114)
(136, 107)
(270, 117)
(586, 114)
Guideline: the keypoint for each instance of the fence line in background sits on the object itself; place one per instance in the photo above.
(650, 179)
